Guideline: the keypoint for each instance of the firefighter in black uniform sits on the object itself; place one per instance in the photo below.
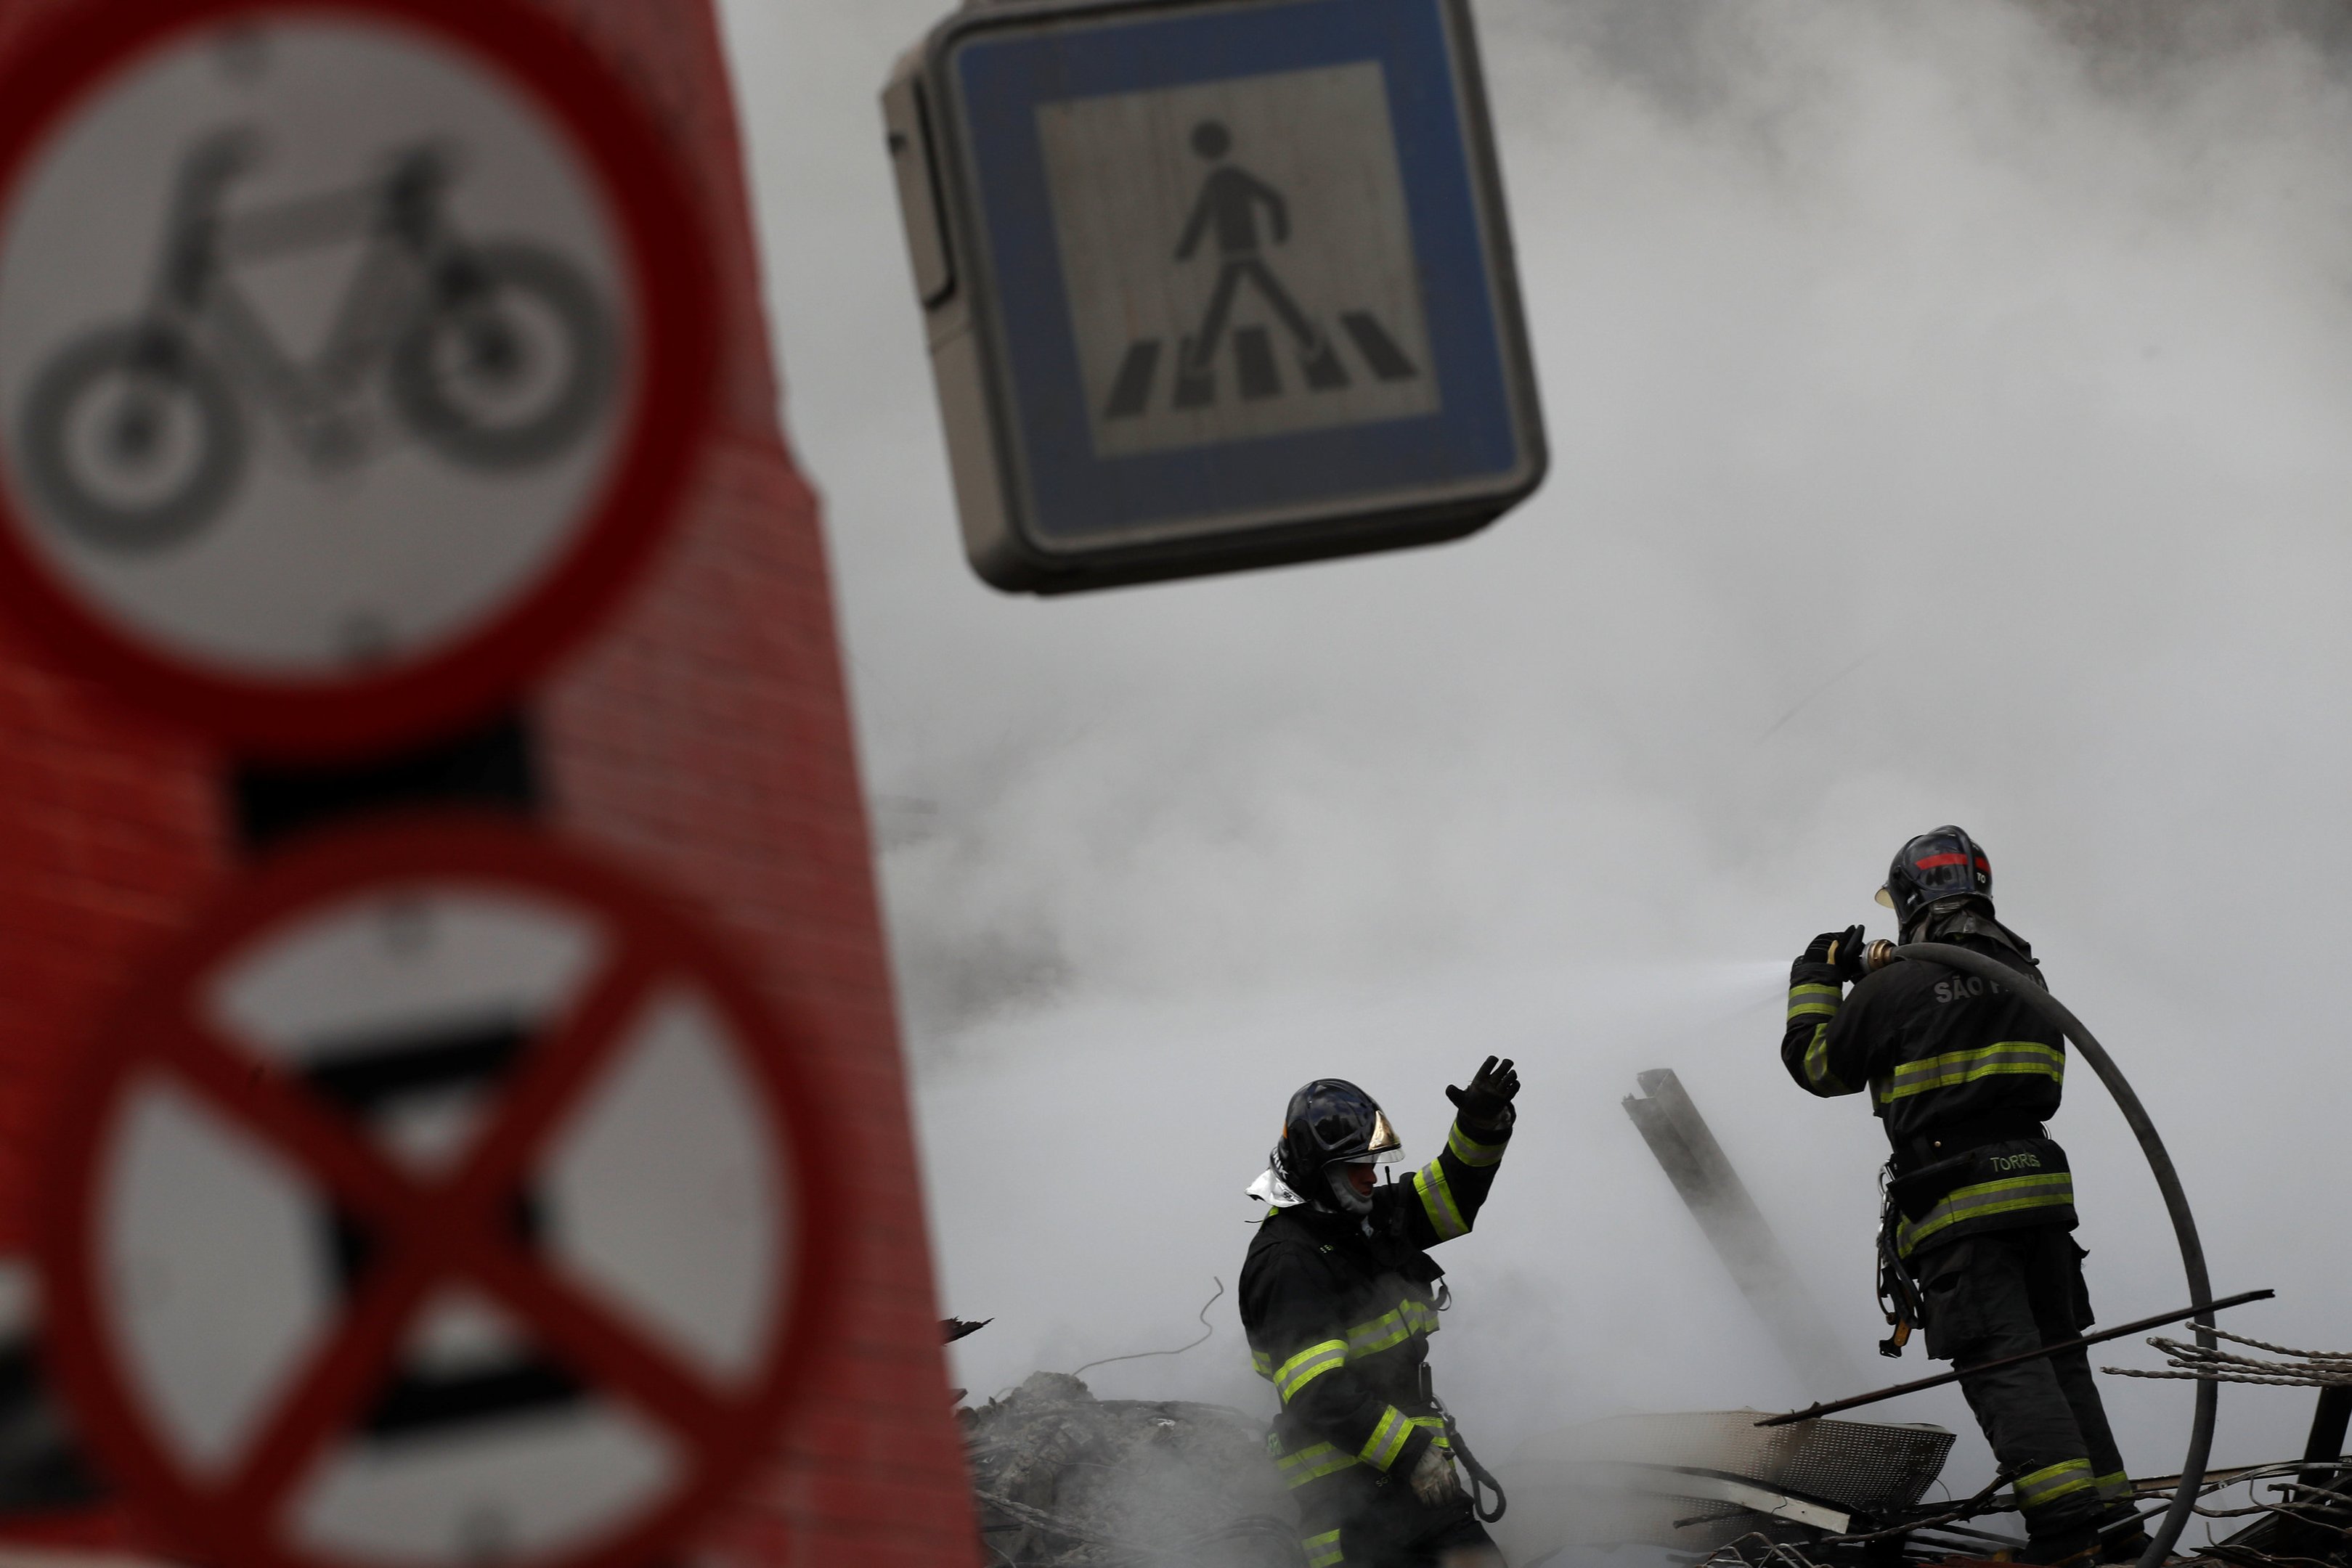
(1339, 1297)
(1963, 1074)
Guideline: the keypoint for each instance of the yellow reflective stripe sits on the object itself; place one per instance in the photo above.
(1391, 1328)
(1437, 1202)
(1811, 1001)
(1312, 1463)
(1436, 1425)
(1817, 1065)
(1957, 1067)
(1308, 1365)
(2053, 1189)
(2046, 1486)
(1323, 1550)
(1390, 1434)
(1469, 1150)
(1388, 1329)
(2113, 1487)
(1264, 1363)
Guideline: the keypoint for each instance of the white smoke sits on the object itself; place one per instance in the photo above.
(1949, 409)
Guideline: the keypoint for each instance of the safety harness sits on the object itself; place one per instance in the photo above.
(2004, 1175)
(1899, 1292)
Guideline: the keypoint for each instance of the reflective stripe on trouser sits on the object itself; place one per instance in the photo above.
(1312, 1463)
(1437, 1202)
(2011, 1195)
(1308, 1365)
(2052, 1484)
(1957, 1067)
(2115, 1488)
(1390, 1527)
(1322, 1551)
(2001, 1293)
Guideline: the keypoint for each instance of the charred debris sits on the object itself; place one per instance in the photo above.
(1063, 1480)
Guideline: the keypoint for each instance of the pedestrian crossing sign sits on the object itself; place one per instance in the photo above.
(1212, 284)
(1277, 307)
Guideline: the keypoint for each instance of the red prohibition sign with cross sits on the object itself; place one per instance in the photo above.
(444, 1196)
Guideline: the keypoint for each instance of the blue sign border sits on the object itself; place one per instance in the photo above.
(1075, 496)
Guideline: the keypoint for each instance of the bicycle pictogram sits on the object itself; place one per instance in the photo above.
(496, 355)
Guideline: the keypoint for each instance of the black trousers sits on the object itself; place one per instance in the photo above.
(2006, 1292)
(1388, 1527)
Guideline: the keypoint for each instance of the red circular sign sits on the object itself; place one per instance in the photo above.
(273, 1064)
(353, 354)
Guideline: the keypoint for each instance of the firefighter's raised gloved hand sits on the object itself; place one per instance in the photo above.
(1839, 951)
(1485, 1105)
(1432, 1480)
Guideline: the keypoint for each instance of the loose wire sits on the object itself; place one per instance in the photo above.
(1207, 1332)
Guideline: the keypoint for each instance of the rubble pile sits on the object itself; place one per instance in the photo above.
(1063, 1480)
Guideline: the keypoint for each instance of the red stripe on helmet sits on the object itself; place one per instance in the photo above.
(1929, 862)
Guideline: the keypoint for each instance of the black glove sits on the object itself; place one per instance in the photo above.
(1485, 1105)
(1846, 946)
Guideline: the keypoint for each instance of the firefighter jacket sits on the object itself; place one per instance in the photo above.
(1961, 1071)
(1338, 1311)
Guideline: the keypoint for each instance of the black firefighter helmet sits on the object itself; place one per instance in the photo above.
(1942, 863)
(1331, 1123)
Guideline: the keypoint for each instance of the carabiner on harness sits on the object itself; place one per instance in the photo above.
(1899, 1292)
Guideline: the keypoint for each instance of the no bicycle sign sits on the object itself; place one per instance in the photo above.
(352, 355)
(445, 1198)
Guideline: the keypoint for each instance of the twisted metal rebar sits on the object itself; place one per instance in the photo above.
(2342, 1356)
(2202, 1363)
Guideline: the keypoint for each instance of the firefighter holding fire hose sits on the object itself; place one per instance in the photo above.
(1962, 1074)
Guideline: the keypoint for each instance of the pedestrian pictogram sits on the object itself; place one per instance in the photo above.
(446, 1198)
(1213, 284)
(350, 355)
(1264, 283)
(1231, 205)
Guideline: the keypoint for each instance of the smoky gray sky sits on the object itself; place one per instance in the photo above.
(1948, 407)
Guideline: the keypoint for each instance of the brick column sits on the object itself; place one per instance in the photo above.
(702, 736)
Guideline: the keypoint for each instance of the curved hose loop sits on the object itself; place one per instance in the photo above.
(1482, 1480)
(2176, 1202)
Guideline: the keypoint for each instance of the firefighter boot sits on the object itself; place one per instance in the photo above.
(2122, 1539)
(2064, 1548)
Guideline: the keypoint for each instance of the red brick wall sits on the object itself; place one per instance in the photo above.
(704, 736)
(110, 828)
